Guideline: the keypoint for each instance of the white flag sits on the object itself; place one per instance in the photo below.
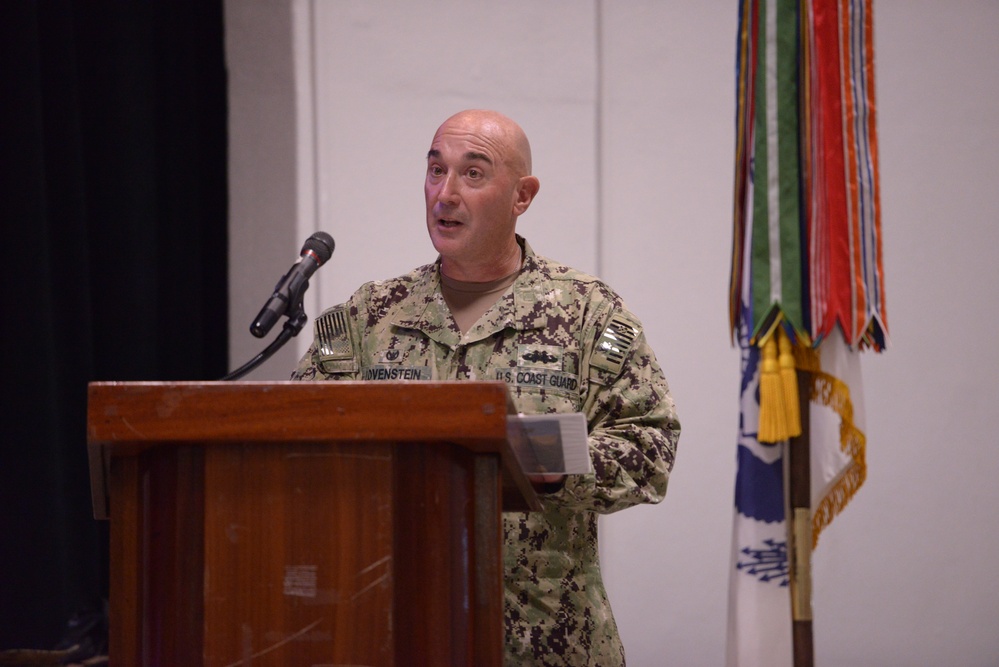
(759, 610)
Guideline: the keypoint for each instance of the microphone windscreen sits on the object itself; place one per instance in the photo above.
(321, 244)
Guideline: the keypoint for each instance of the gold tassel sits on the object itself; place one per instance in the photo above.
(789, 380)
(773, 414)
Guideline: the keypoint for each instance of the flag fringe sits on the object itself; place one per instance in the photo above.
(835, 394)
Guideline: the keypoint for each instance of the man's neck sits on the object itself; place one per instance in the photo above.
(504, 265)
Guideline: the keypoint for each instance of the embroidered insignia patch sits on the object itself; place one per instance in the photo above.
(333, 335)
(614, 344)
(389, 356)
(548, 356)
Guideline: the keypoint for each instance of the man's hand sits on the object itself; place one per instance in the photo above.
(546, 483)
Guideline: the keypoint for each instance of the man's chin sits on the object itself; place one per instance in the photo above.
(441, 233)
(444, 243)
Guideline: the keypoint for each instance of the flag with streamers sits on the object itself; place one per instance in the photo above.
(807, 286)
(807, 216)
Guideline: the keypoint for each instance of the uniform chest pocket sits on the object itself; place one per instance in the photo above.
(540, 389)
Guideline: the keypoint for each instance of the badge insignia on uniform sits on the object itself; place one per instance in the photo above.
(333, 335)
(390, 357)
(547, 356)
(615, 343)
(540, 367)
(540, 356)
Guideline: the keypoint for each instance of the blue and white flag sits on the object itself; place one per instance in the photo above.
(759, 622)
(759, 609)
(794, 49)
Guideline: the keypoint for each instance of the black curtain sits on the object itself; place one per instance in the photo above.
(114, 200)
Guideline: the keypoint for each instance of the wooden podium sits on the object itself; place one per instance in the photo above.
(304, 523)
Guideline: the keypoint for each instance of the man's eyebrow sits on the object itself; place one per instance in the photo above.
(433, 153)
(472, 155)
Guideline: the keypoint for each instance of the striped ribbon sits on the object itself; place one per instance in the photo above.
(844, 221)
(776, 233)
(807, 219)
(742, 197)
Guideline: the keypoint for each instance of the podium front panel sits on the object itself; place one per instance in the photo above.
(374, 554)
(298, 555)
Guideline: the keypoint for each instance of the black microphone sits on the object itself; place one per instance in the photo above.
(317, 250)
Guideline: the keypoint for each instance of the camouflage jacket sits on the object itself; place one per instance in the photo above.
(563, 342)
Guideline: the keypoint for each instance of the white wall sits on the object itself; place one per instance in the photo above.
(630, 109)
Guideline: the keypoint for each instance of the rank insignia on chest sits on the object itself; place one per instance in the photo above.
(541, 356)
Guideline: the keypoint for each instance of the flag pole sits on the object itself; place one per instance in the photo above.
(797, 473)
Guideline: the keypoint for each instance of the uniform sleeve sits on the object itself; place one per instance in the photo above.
(633, 427)
(307, 368)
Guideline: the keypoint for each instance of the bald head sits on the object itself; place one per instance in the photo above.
(504, 135)
(478, 182)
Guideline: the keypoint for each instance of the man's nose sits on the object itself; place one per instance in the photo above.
(448, 192)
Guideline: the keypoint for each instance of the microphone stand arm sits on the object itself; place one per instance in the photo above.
(296, 320)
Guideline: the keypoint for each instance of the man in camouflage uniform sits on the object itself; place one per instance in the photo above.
(491, 309)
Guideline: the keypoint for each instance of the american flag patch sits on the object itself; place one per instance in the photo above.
(333, 335)
(614, 344)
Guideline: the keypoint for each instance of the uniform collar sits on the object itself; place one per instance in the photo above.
(521, 308)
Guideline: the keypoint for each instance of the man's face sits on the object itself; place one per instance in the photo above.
(471, 194)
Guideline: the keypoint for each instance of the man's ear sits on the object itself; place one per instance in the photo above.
(526, 191)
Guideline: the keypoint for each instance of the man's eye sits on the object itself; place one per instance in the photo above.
(436, 171)
(474, 173)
